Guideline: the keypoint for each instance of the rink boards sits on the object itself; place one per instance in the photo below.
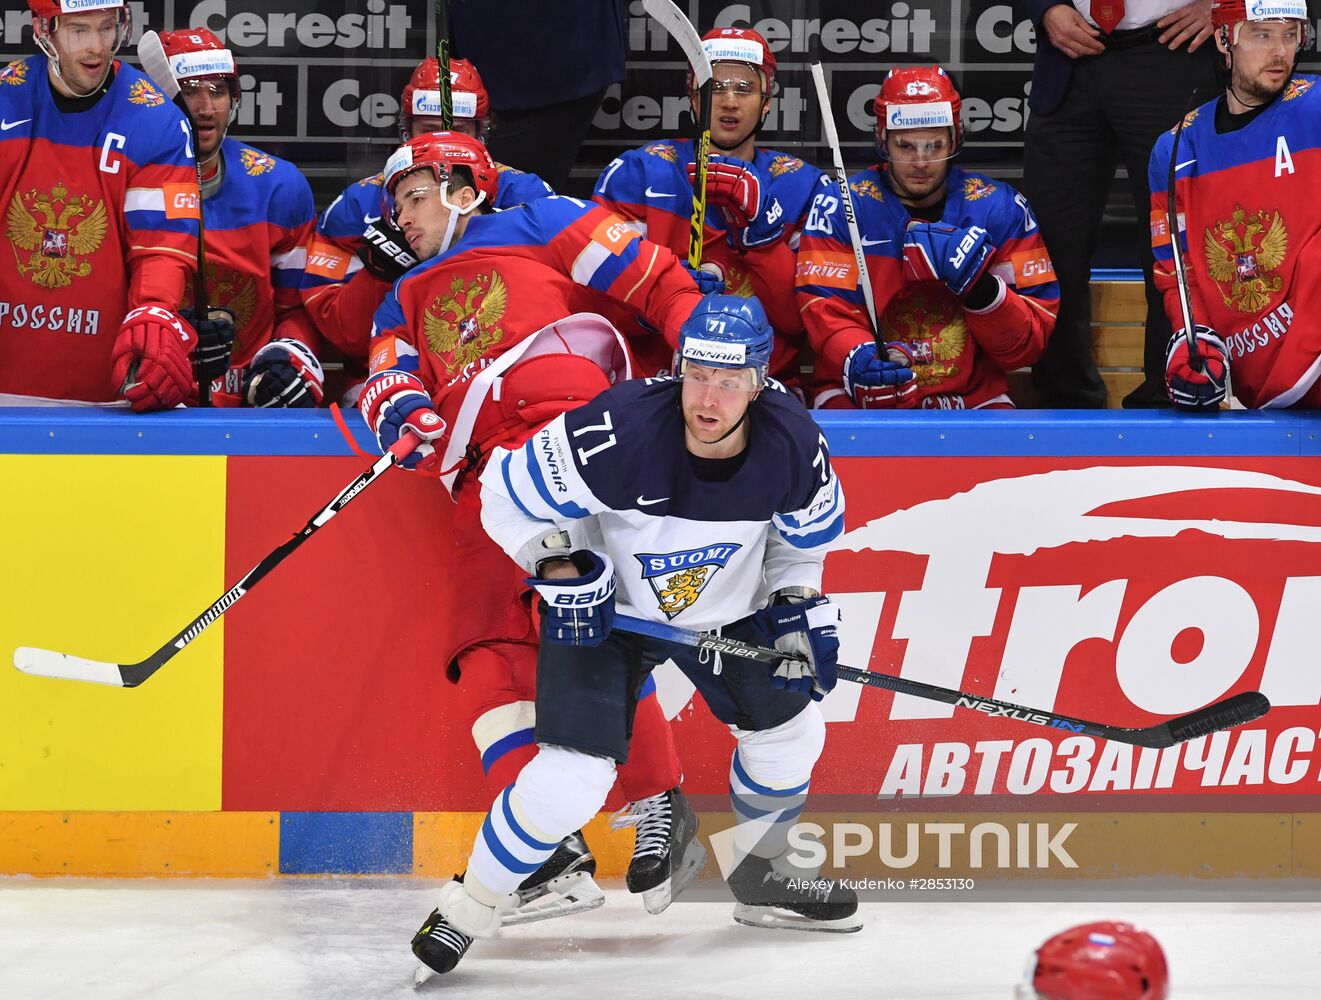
(1110, 566)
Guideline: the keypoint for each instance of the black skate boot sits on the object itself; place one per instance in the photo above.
(438, 946)
(438, 943)
(561, 886)
(667, 854)
(768, 898)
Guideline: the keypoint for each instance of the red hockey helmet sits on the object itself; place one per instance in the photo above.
(1226, 14)
(917, 97)
(1100, 961)
(739, 45)
(441, 152)
(197, 54)
(421, 98)
(54, 8)
(48, 11)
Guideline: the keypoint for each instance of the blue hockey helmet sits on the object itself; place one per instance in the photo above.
(727, 331)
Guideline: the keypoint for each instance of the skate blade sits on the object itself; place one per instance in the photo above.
(658, 899)
(568, 894)
(423, 975)
(774, 918)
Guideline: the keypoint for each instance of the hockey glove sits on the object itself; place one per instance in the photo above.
(215, 342)
(1188, 388)
(151, 359)
(807, 631)
(579, 610)
(285, 373)
(875, 384)
(708, 282)
(934, 251)
(393, 402)
(385, 252)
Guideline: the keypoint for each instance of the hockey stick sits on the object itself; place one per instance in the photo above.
(673, 20)
(1172, 222)
(442, 9)
(156, 64)
(842, 178)
(48, 663)
(1232, 711)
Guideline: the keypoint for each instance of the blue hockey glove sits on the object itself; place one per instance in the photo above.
(808, 631)
(285, 374)
(873, 383)
(934, 251)
(579, 610)
(708, 282)
(1188, 388)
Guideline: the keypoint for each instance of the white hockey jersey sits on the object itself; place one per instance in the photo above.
(697, 542)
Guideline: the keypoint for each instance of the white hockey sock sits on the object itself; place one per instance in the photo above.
(769, 778)
(555, 794)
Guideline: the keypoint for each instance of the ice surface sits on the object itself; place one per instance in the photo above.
(347, 939)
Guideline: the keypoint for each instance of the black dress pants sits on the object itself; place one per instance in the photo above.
(1117, 105)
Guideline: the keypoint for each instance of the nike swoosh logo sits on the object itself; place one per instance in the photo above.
(657, 194)
(369, 219)
(874, 243)
(6, 126)
(643, 502)
(1186, 163)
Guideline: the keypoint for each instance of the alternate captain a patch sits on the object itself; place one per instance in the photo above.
(678, 578)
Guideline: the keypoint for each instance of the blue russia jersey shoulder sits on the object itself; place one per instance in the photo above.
(651, 173)
(534, 223)
(269, 188)
(515, 187)
(873, 201)
(788, 176)
(139, 109)
(989, 203)
(348, 214)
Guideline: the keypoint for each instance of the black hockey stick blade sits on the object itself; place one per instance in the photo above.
(1233, 711)
(49, 663)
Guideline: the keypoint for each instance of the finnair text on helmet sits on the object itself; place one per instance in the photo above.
(696, 349)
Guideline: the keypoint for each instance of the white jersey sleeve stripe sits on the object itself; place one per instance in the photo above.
(588, 262)
(144, 200)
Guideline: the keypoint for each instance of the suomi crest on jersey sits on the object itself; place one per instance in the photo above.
(678, 578)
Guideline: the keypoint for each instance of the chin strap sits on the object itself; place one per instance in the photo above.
(455, 212)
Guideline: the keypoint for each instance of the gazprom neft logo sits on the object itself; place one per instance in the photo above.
(427, 102)
(216, 62)
(714, 352)
(1274, 10)
(74, 6)
(933, 114)
(733, 50)
(400, 159)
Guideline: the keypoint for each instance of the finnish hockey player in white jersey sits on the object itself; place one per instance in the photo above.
(684, 500)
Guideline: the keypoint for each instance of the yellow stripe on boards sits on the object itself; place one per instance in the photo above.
(107, 557)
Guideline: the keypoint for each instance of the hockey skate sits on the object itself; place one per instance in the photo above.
(438, 943)
(561, 886)
(769, 898)
(667, 854)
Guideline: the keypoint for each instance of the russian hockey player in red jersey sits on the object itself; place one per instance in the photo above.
(757, 199)
(962, 282)
(100, 200)
(493, 334)
(259, 218)
(1248, 218)
(1099, 961)
(357, 255)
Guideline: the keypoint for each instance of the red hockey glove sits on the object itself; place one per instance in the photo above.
(732, 188)
(151, 360)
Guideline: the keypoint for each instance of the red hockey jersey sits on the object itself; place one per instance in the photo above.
(101, 211)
